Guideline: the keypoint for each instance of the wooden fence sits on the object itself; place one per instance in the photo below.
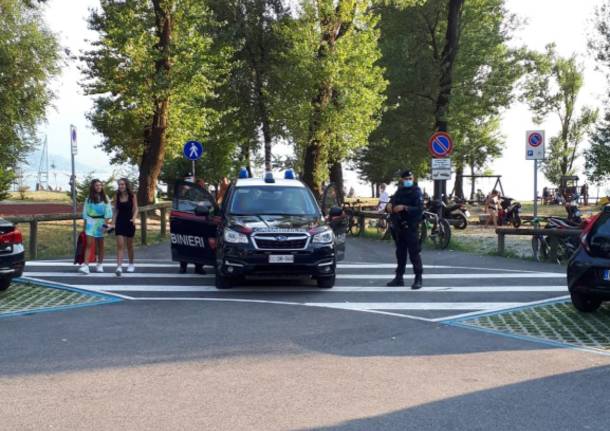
(34, 220)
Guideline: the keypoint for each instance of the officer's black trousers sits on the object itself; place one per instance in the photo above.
(407, 243)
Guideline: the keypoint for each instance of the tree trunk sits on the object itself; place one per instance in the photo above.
(459, 181)
(446, 67)
(472, 182)
(336, 178)
(446, 77)
(155, 137)
(334, 25)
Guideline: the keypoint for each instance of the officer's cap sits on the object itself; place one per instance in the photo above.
(406, 174)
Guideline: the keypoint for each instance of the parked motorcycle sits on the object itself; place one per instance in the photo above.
(455, 213)
(574, 214)
(510, 212)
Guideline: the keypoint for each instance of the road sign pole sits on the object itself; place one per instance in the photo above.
(535, 188)
(73, 149)
(194, 173)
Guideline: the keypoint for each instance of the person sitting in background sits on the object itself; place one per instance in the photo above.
(384, 198)
(491, 207)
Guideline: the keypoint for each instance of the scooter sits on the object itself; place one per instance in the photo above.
(509, 212)
(456, 214)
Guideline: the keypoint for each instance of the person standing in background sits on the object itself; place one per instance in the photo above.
(124, 221)
(584, 192)
(97, 215)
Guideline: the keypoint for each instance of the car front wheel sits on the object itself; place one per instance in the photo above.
(223, 282)
(4, 283)
(326, 282)
(585, 303)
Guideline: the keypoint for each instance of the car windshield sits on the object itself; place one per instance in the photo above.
(273, 200)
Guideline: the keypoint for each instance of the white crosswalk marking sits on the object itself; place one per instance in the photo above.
(448, 290)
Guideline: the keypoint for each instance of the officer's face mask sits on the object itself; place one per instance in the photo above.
(407, 183)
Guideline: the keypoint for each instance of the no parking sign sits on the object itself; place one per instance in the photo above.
(534, 145)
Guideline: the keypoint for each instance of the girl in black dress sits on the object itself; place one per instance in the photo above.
(125, 215)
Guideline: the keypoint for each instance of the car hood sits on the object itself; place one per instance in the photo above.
(276, 223)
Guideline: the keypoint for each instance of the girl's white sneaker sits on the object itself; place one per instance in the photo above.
(119, 271)
(99, 268)
(84, 269)
(131, 268)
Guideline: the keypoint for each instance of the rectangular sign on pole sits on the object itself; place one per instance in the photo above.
(73, 146)
(441, 169)
(534, 145)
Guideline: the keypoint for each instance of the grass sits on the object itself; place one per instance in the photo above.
(42, 196)
(55, 239)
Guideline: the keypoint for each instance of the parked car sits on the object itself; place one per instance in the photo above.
(12, 253)
(589, 266)
(266, 228)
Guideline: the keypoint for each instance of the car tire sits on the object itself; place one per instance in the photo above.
(326, 282)
(223, 282)
(4, 283)
(585, 303)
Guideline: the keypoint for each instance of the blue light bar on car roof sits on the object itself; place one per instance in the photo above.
(269, 177)
(289, 174)
(243, 173)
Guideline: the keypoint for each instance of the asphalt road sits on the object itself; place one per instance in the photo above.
(279, 356)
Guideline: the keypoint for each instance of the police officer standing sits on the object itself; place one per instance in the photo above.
(406, 208)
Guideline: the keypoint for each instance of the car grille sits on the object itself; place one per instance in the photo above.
(280, 242)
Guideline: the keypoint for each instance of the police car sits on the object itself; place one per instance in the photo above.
(265, 228)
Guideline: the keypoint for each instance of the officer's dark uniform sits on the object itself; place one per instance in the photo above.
(405, 232)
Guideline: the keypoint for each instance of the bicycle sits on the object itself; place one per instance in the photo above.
(353, 223)
(439, 228)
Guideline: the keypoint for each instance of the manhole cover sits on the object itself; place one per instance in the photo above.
(557, 322)
(26, 297)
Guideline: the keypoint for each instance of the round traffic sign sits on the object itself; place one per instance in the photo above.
(440, 145)
(193, 150)
(534, 139)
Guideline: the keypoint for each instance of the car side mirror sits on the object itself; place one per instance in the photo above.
(202, 210)
(335, 212)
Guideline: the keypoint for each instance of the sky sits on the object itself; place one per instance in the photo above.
(564, 22)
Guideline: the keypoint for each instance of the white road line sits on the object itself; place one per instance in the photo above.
(339, 276)
(88, 288)
(165, 264)
(475, 313)
(427, 306)
(308, 289)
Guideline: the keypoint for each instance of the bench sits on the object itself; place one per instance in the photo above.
(553, 234)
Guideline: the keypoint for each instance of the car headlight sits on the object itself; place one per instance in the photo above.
(324, 237)
(233, 237)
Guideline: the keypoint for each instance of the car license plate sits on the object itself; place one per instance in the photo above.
(606, 275)
(281, 258)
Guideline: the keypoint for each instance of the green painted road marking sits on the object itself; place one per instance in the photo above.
(557, 322)
(27, 297)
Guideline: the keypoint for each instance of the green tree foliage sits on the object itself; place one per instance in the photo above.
(251, 27)
(29, 58)
(597, 157)
(552, 87)
(484, 74)
(333, 88)
(155, 70)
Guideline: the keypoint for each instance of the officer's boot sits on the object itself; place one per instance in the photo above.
(397, 281)
(417, 283)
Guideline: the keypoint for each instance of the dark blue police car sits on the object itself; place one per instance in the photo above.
(265, 228)
(589, 267)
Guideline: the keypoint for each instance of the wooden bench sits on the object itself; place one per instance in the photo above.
(553, 234)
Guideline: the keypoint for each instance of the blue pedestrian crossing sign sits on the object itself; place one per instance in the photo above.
(193, 150)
